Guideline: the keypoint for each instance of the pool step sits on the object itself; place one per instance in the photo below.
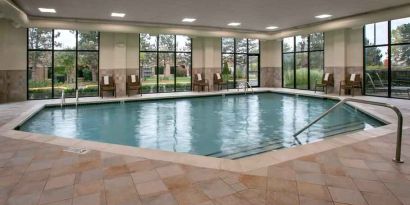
(266, 146)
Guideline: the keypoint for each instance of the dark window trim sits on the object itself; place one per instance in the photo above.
(53, 50)
(294, 52)
(389, 46)
(247, 53)
(157, 51)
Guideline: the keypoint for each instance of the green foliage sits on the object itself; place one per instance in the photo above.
(302, 77)
(225, 70)
(39, 84)
(401, 54)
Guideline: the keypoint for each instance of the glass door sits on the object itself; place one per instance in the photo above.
(253, 70)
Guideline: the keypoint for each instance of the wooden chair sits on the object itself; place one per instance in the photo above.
(327, 80)
(133, 83)
(351, 83)
(107, 84)
(219, 82)
(200, 82)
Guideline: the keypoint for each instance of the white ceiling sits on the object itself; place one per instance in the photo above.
(253, 14)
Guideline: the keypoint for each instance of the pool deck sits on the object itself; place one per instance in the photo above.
(352, 168)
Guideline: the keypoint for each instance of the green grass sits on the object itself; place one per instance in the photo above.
(302, 77)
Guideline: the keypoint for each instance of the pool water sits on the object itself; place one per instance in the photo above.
(231, 126)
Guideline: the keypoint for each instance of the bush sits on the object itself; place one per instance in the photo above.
(39, 84)
(302, 77)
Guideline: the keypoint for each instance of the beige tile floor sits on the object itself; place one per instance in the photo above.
(357, 173)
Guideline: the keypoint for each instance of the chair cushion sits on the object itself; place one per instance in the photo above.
(133, 78)
(353, 77)
(218, 76)
(327, 76)
(199, 76)
(106, 80)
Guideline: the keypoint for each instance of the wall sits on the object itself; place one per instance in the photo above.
(206, 57)
(343, 54)
(119, 57)
(271, 63)
(13, 57)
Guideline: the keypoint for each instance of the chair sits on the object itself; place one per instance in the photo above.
(200, 82)
(327, 80)
(133, 83)
(107, 84)
(219, 82)
(354, 81)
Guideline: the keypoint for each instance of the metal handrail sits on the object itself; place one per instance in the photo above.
(245, 87)
(62, 98)
(247, 83)
(394, 108)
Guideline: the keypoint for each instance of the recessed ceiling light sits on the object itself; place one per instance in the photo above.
(271, 27)
(323, 16)
(189, 20)
(47, 10)
(121, 15)
(234, 24)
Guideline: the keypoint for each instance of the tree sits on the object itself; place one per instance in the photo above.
(373, 56)
(401, 54)
(225, 71)
(40, 39)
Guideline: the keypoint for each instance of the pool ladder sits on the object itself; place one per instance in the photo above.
(397, 158)
(63, 98)
(245, 86)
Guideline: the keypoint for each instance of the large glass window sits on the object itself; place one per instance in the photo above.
(165, 63)
(62, 60)
(240, 61)
(302, 61)
(387, 58)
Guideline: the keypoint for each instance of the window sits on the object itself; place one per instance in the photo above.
(240, 61)
(387, 58)
(302, 61)
(165, 62)
(62, 60)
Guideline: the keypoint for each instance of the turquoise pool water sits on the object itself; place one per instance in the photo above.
(232, 127)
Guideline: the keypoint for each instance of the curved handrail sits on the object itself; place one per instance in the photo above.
(394, 108)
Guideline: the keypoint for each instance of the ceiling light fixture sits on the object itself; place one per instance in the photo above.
(234, 24)
(121, 15)
(323, 16)
(47, 10)
(189, 20)
(272, 27)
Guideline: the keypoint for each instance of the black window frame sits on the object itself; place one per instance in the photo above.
(158, 51)
(295, 52)
(389, 46)
(53, 50)
(234, 53)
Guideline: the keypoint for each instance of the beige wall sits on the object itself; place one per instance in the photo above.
(119, 51)
(354, 47)
(13, 47)
(13, 57)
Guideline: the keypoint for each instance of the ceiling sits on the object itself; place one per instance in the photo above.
(254, 15)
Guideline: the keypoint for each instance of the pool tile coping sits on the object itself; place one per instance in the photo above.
(254, 165)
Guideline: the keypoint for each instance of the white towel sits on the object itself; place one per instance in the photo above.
(352, 77)
(106, 80)
(199, 76)
(218, 76)
(327, 76)
(133, 78)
